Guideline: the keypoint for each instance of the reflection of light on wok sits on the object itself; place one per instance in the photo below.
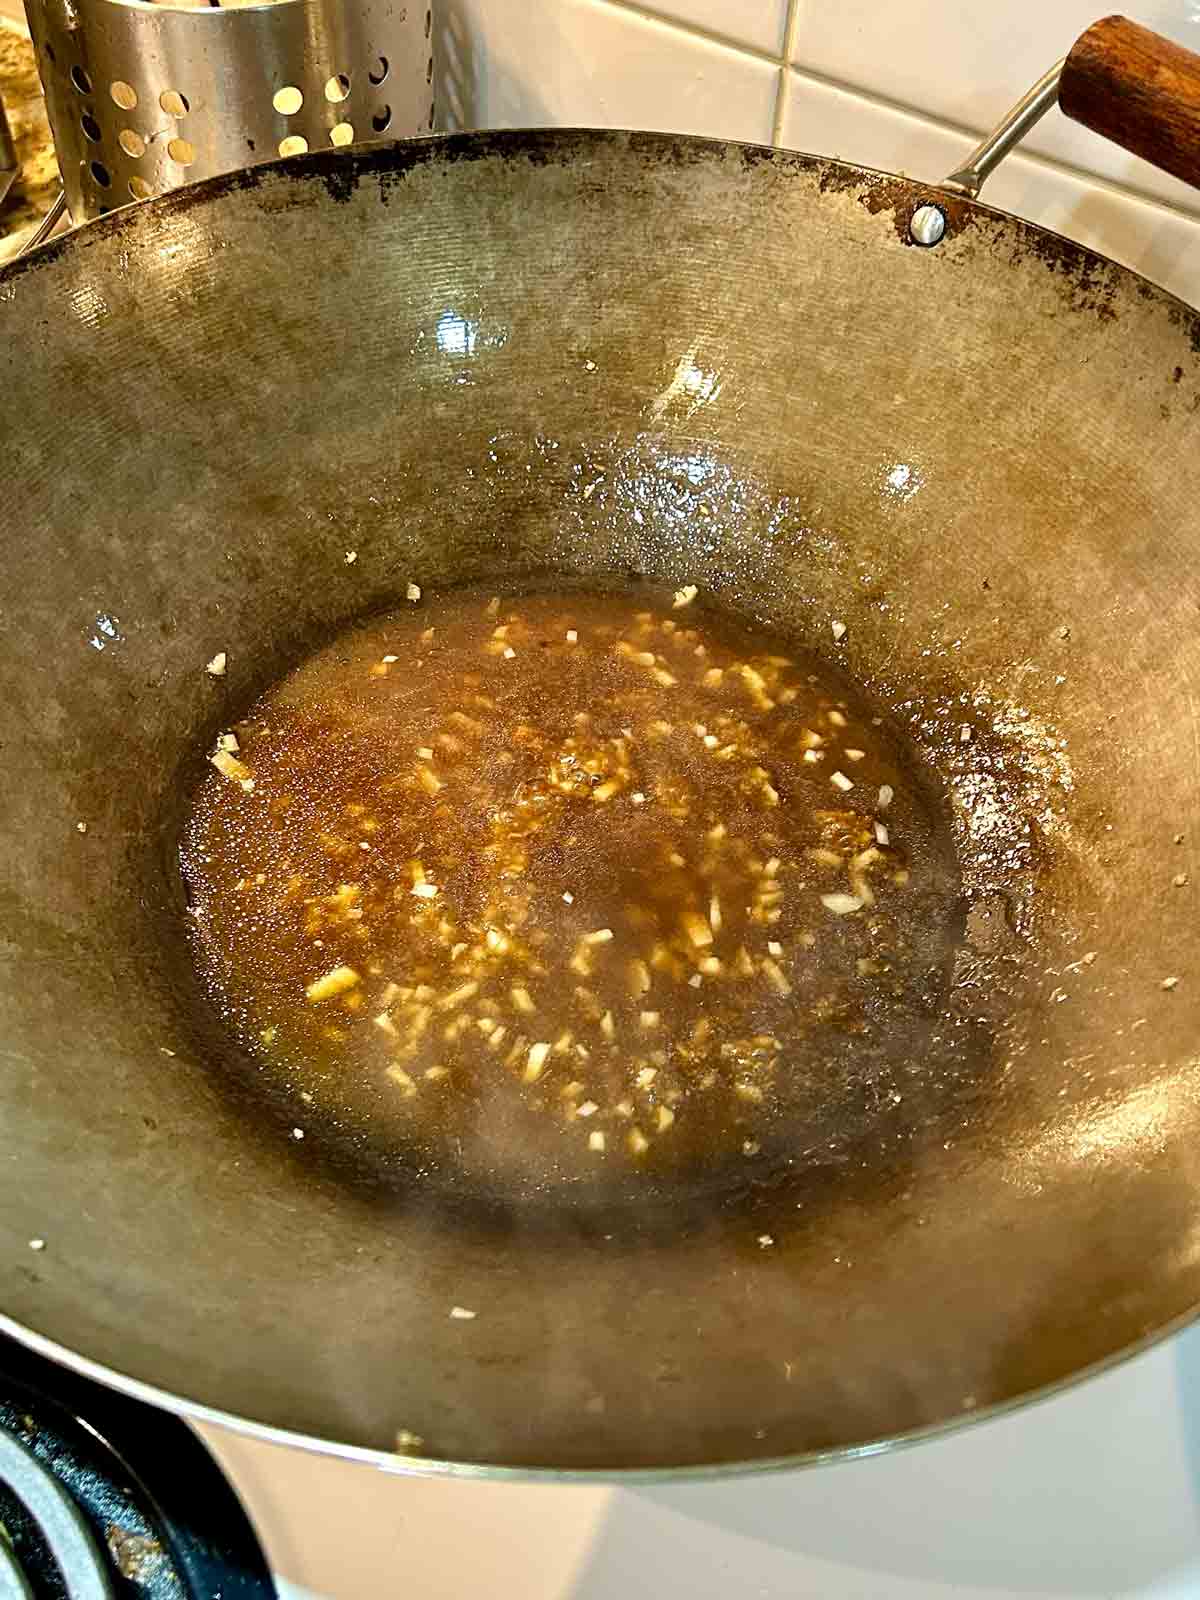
(901, 481)
(456, 335)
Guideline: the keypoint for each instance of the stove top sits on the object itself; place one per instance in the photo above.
(106, 1498)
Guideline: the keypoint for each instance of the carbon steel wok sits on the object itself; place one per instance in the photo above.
(982, 457)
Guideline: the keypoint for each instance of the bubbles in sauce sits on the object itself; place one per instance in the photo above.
(548, 885)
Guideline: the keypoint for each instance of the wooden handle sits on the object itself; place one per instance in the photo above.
(1139, 90)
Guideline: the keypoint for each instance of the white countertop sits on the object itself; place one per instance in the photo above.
(1095, 1493)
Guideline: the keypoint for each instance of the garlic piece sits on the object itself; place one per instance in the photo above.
(536, 1062)
(841, 904)
(336, 982)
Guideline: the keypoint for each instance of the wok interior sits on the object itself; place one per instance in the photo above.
(508, 359)
(638, 934)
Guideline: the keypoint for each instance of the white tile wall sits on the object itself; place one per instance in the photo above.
(532, 63)
(904, 85)
(967, 64)
(757, 23)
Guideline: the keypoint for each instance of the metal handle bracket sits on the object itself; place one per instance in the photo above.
(970, 178)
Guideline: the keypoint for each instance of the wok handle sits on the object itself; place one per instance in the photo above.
(1139, 90)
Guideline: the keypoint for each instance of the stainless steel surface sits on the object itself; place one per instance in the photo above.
(145, 97)
(970, 178)
(501, 323)
(8, 156)
(48, 224)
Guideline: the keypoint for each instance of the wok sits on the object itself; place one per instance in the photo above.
(981, 457)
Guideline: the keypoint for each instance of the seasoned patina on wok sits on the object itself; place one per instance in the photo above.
(981, 458)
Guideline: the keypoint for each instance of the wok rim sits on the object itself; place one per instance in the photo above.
(416, 1466)
(473, 144)
(375, 159)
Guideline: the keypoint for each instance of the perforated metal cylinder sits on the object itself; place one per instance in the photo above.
(142, 97)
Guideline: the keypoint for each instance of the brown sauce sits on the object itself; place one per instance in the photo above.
(560, 881)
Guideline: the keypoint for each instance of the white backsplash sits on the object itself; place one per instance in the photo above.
(906, 85)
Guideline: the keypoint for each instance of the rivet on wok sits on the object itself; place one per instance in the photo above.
(928, 225)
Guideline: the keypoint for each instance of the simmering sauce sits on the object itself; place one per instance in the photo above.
(567, 880)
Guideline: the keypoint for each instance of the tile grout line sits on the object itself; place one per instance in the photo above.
(971, 137)
(710, 35)
(791, 29)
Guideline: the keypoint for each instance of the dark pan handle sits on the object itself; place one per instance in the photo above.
(1139, 90)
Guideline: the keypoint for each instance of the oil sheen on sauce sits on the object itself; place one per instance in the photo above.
(552, 883)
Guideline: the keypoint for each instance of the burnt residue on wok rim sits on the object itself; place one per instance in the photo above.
(593, 355)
